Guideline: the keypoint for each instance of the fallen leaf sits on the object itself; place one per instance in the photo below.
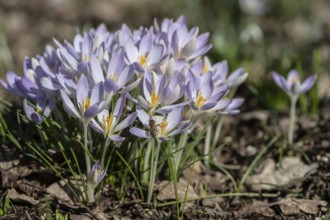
(257, 207)
(63, 192)
(167, 192)
(17, 197)
(292, 169)
(288, 207)
(291, 206)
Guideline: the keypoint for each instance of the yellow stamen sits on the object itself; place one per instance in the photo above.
(38, 110)
(154, 99)
(86, 58)
(163, 126)
(294, 79)
(200, 100)
(85, 104)
(112, 76)
(205, 69)
(75, 78)
(107, 121)
(143, 60)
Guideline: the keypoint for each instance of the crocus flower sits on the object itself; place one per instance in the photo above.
(292, 85)
(220, 72)
(160, 127)
(109, 122)
(204, 94)
(187, 45)
(88, 105)
(118, 74)
(147, 56)
(96, 175)
(42, 109)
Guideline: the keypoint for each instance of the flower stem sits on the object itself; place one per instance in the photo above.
(90, 190)
(153, 173)
(180, 148)
(217, 132)
(207, 146)
(292, 120)
(145, 175)
(105, 148)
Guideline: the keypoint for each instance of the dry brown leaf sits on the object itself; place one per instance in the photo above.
(292, 169)
(292, 206)
(289, 207)
(258, 207)
(63, 192)
(17, 197)
(166, 190)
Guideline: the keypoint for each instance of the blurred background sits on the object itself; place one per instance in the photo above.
(259, 35)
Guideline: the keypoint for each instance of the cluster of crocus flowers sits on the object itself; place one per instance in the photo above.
(293, 87)
(150, 77)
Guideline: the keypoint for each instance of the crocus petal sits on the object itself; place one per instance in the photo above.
(222, 104)
(207, 89)
(48, 84)
(96, 70)
(92, 111)
(26, 85)
(143, 116)
(49, 107)
(235, 103)
(116, 138)
(280, 81)
(96, 127)
(119, 106)
(183, 128)
(131, 51)
(156, 54)
(237, 78)
(308, 84)
(110, 86)
(293, 76)
(139, 132)
(68, 105)
(126, 122)
(173, 118)
(82, 90)
(208, 106)
(131, 86)
(145, 44)
(125, 75)
(67, 59)
(142, 102)
(116, 63)
(97, 93)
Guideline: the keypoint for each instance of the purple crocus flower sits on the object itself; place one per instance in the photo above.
(159, 94)
(292, 85)
(89, 105)
(109, 122)
(147, 56)
(42, 109)
(96, 175)
(118, 74)
(204, 94)
(187, 45)
(220, 72)
(160, 127)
